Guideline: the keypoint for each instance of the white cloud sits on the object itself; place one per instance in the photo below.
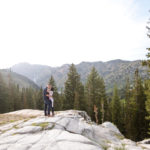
(58, 32)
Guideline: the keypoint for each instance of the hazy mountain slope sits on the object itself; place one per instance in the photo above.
(40, 74)
(21, 80)
(115, 71)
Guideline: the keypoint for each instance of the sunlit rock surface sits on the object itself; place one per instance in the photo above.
(67, 130)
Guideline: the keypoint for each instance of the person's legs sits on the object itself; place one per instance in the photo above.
(49, 107)
(45, 109)
(53, 111)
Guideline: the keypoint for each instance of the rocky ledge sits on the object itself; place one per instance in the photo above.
(67, 130)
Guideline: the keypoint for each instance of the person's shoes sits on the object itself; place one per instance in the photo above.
(45, 114)
(48, 115)
(53, 114)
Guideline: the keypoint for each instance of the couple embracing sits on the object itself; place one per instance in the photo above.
(48, 100)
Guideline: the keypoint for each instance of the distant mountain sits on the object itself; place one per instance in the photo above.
(115, 71)
(40, 74)
(21, 80)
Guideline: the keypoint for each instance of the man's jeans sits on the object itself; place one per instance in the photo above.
(45, 109)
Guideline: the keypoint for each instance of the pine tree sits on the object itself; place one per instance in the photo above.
(128, 110)
(17, 97)
(140, 99)
(57, 102)
(104, 102)
(147, 62)
(109, 110)
(116, 108)
(136, 124)
(79, 103)
(21, 99)
(82, 102)
(147, 103)
(24, 99)
(30, 98)
(39, 99)
(147, 90)
(95, 94)
(123, 115)
(11, 92)
(3, 96)
(62, 99)
(73, 90)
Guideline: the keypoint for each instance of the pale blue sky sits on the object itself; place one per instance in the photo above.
(70, 31)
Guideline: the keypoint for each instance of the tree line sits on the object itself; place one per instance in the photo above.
(129, 113)
(12, 97)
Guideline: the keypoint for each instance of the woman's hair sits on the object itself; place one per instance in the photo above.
(52, 89)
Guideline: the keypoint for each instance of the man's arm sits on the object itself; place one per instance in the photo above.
(45, 93)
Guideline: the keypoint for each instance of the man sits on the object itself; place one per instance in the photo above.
(47, 102)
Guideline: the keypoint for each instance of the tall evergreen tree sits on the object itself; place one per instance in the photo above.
(82, 102)
(3, 96)
(95, 94)
(136, 126)
(147, 62)
(109, 109)
(24, 99)
(39, 99)
(147, 103)
(30, 98)
(17, 97)
(147, 91)
(116, 108)
(11, 93)
(104, 102)
(79, 103)
(140, 99)
(73, 90)
(21, 99)
(128, 110)
(123, 115)
(62, 99)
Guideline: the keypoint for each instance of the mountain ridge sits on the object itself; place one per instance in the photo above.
(67, 64)
(113, 71)
(19, 79)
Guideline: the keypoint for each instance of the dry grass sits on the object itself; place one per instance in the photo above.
(9, 118)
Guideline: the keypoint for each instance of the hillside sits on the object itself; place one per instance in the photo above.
(67, 130)
(115, 71)
(21, 80)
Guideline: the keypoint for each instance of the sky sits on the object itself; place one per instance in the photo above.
(57, 32)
